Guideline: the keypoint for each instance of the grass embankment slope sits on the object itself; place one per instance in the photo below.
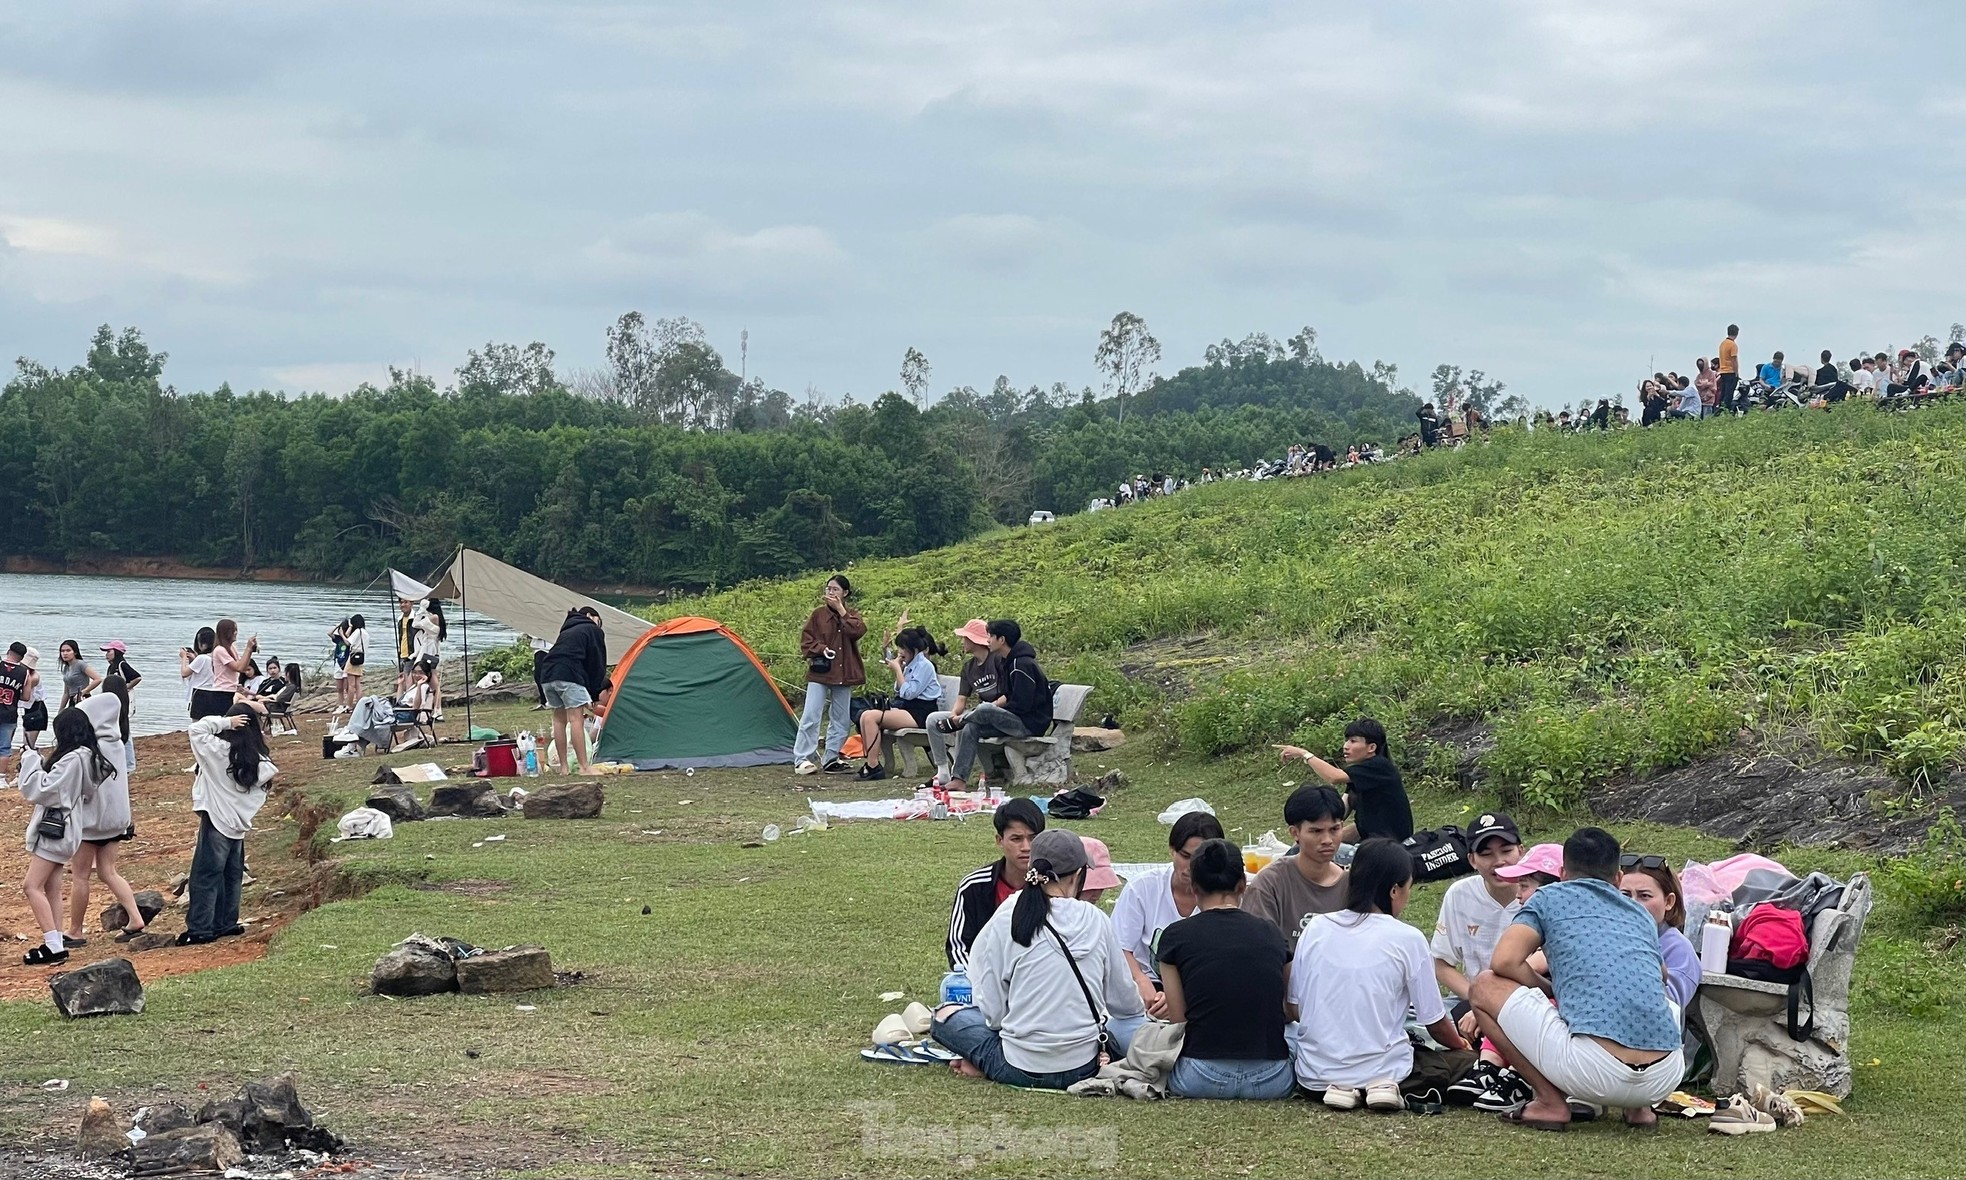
(1524, 582)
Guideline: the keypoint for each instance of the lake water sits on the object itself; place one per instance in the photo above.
(157, 616)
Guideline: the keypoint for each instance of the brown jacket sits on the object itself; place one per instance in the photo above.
(842, 633)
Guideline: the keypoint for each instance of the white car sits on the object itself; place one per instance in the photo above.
(1042, 517)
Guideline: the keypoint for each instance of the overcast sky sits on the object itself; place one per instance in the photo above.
(1567, 195)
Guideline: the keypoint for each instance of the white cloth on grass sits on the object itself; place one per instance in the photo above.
(365, 823)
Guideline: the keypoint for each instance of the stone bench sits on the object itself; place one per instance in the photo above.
(1746, 1020)
(1039, 761)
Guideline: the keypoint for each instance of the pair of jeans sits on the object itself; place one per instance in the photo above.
(966, 1033)
(218, 864)
(832, 701)
(983, 721)
(1196, 1078)
(938, 742)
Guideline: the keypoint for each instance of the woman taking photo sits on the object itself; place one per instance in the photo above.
(1047, 979)
(1152, 902)
(1226, 974)
(230, 659)
(198, 670)
(78, 680)
(917, 691)
(830, 643)
(1356, 975)
(74, 771)
(104, 817)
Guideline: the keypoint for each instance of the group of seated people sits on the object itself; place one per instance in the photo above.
(1304, 980)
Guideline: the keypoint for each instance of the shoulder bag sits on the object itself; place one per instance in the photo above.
(1098, 1017)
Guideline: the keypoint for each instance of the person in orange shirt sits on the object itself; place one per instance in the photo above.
(1730, 367)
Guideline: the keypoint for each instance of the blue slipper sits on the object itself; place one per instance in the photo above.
(894, 1055)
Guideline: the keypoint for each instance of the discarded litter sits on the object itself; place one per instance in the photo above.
(493, 839)
(1182, 807)
(771, 833)
(689, 772)
(890, 997)
(55, 1085)
(525, 1008)
(684, 802)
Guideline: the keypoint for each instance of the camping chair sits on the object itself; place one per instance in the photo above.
(1046, 759)
(280, 708)
(418, 722)
(906, 742)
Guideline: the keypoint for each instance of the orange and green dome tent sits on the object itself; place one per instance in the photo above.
(690, 692)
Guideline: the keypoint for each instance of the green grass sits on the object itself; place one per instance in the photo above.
(1608, 604)
(1605, 605)
(718, 1033)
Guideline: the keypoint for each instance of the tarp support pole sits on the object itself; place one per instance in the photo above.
(464, 617)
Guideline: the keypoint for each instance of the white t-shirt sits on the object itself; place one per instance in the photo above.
(1861, 383)
(1470, 925)
(201, 674)
(1144, 909)
(1353, 980)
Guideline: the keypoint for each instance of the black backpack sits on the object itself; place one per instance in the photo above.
(1439, 854)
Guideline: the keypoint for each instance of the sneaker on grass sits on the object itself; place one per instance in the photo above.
(1507, 1092)
(837, 766)
(1341, 1098)
(806, 767)
(1473, 1084)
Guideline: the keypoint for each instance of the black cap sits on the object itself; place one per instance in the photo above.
(1492, 823)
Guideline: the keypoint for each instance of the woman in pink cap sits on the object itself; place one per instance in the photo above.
(979, 679)
(1099, 874)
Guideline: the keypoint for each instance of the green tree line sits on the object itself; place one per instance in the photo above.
(663, 469)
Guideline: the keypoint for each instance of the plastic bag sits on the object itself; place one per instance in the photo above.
(1182, 807)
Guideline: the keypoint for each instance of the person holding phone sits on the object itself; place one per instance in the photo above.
(230, 658)
(830, 643)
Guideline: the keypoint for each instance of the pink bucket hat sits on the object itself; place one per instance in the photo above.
(976, 631)
(1099, 872)
(1544, 858)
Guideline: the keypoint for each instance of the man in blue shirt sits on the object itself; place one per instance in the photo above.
(1771, 372)
(1616, 1041)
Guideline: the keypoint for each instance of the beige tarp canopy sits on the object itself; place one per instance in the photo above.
(526, 603)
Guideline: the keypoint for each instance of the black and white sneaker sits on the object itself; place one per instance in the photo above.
(870, 774)
(1508, 1093)
(837, 766)
(1473, 1085)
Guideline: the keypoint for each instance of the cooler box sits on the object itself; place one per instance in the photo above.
(502, 758)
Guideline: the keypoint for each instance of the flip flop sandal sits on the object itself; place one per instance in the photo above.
(1516, 1117)
(73, 940)
(1426, 1102)
(894, 1055)
(132, 935)
(932, 1050)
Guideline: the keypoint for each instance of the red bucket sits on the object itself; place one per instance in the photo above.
(502, 759)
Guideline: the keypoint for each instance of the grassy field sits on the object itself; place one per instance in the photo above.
(718, 1033)
(1605, 605)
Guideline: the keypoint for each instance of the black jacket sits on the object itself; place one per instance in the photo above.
(1026, 691)
(976, 901)
(578, 656)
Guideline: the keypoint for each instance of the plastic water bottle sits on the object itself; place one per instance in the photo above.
(529, 754)
(1716, 933)
(955, 987)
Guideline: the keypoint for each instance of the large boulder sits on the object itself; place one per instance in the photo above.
(108, 988)
(514, 969)
(150, 903)
(101, 1133)
(466, 800)
(169, 1116)
(413, 968)
(399, 803)
(564, 801)
(209, 1147)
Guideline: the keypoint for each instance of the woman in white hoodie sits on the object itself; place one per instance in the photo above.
(105, 816)
(233, 774)
(1048, 978)
(57, 788)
